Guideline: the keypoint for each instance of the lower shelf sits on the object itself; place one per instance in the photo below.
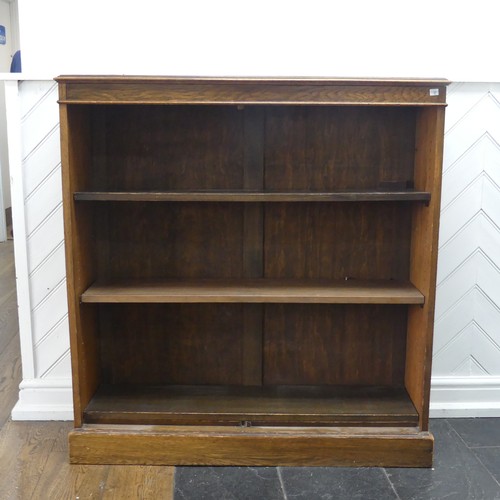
(251, 446)
(252, 406)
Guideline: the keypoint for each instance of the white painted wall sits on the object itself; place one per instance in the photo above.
(427, 38)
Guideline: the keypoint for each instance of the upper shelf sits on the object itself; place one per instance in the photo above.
(329, 91)
(261, 290)
(248, 196)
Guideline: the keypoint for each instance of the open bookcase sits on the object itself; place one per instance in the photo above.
(251, 268)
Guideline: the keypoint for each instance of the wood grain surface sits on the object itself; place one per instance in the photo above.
(164, 445)
(10, 355)
(233, 405)
(252, 91)
(424, 250)
(255, 197)
(261, 290)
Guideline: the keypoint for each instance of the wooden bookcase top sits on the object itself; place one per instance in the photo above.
(180, 90)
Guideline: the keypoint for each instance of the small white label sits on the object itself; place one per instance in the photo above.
(433, 92)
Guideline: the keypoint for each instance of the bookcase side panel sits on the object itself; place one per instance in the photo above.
(80, 262)
(424, 247)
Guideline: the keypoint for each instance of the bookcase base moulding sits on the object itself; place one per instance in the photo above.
(251, 268)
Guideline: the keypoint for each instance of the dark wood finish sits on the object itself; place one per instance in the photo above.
(346, 345)
(316, 148)
(165, 445)
(293, 243)
(253, 243)
(189, 240)
(255, 291)
(255, 197)
(233, 405)
(425, 230)
(151, 148)
(323, 241)
(152, 90)
(173, 344)
(204, 344)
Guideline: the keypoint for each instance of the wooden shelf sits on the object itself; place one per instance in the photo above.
(251, 196)
(236, 405)
(254, 291)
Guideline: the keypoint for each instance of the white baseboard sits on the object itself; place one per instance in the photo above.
(455, 397)
(44, 399)
(52, 399)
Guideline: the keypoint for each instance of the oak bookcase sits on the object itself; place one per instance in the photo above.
(251, 268)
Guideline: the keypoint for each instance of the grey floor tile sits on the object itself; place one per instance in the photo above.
(457, 473)
(490, 457)
(478, 431)
(336, 483)
(227, 483)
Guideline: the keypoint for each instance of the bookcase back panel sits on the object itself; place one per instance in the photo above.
(222, 240)
(343, 240)
(169, 147)
(331, 344)
(204, 344)
(168, 240)
(154, 148)
(172, 344)
(329, 148)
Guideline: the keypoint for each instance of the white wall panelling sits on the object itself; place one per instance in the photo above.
(45, 392)
(466, 369)
(466, 364)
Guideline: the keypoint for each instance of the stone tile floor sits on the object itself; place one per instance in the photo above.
(466, 467)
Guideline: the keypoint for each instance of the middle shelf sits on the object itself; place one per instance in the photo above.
(262, 290)
(256, 196)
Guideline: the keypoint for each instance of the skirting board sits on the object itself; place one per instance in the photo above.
(49, 399)
(465, 397)
(44, 399)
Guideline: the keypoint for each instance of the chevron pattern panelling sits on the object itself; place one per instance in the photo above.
(44, 227)
(467, 327)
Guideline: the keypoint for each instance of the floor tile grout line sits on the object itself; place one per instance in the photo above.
(463, 440)
(282, 484)
(484, 447)
(481, 462)
(390, 483)
(472, 451)
(450, 425)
